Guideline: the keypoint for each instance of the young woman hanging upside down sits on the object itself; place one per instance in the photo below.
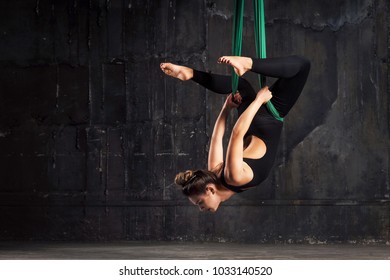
(255, 136)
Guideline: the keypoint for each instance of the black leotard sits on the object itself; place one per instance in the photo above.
(292, 73)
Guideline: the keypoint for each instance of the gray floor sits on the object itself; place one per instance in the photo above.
(175, 250)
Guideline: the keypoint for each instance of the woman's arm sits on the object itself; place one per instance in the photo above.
(216, 142)
(236, 173)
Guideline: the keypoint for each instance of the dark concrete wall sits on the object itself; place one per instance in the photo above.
(92, 133)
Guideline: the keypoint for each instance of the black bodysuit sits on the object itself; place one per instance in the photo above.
(292, 72)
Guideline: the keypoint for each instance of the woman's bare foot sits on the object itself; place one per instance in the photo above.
(239, 63)
(177, 71)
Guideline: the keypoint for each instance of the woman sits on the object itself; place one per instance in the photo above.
(255, 136)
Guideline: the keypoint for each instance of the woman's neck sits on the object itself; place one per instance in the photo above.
(224, 193)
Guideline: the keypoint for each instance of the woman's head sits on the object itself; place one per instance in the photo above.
(201, 187)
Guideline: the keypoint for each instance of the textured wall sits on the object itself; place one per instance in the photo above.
(92, 133)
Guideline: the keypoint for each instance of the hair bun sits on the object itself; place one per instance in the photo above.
(183, 177)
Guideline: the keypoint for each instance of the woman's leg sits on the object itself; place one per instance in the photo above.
(220, 84)
(292, 72)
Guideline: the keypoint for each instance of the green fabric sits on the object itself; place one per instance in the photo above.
(237, 37)
(273, 111)
(261, 51)
(260, 41)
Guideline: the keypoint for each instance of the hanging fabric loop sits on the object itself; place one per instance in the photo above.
(237, 37)
(261, 51)
(260, 41)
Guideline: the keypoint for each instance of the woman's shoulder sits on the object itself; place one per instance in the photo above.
(218, 170)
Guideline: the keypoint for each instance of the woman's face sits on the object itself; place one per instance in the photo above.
(208, 201)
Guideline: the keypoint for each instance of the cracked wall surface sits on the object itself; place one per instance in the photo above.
(92, 133)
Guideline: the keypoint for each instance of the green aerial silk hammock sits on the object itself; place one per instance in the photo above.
(258, 6)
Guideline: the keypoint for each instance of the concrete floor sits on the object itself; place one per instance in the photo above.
(176, 250)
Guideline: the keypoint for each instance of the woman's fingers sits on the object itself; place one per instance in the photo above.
(264, 94)
(237, 98)
(230, 101)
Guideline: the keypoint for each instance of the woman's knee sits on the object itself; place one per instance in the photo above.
(304, 63)
(245, 88)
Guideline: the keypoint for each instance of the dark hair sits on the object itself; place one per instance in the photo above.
(195, 182)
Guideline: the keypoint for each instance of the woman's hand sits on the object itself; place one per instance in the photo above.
(232, 102)
(264, 95)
